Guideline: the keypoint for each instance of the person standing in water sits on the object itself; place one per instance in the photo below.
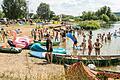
(56, 36)
(83, 45)
(97, 45)
(90, 47)
(90, 34)
(109, 36)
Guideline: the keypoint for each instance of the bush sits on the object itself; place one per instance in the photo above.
(90, 24)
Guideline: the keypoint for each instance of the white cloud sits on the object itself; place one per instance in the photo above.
(74, 7)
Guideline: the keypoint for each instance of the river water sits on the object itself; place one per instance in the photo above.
(109, 48)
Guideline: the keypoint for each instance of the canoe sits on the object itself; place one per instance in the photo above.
(40, 55)
(10, 50)
(43, 43)
(36, 54)
(97, 60)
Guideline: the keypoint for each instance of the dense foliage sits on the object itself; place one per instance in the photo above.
(95, 20)
(103, 13)
(1, 14)
(89, 24)
(14, 9)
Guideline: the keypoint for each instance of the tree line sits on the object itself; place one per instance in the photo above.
(15, 9)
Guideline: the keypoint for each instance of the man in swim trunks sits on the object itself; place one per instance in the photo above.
(49, 50)
(90, 47)
(97, 45)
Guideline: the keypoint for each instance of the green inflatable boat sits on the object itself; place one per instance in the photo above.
(10, 50)
(43, 43)
(98, 61)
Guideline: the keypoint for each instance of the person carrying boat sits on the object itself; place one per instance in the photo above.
(90, 47)
(49, 50)
(97, 45)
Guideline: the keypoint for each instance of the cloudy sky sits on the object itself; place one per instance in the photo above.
(74, 7)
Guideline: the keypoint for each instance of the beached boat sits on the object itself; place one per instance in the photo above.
(43, 43)
(41, 55)
(10, 50)
(97, 60)
(39, 48)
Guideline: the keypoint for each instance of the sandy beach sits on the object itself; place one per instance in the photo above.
(22, 67)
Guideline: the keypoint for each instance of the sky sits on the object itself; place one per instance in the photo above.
(74, 7)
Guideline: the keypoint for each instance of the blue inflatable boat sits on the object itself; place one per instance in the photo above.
(37, 47)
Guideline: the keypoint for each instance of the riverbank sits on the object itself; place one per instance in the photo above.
(22, 67)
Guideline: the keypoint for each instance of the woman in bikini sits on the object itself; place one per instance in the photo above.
(97, 45)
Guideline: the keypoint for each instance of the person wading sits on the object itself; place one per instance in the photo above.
(90, 47)
(97, 45)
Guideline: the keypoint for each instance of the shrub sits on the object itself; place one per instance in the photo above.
(90, 24)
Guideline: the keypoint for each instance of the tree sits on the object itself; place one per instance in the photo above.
(1, 14)
(113, 17)
(56, 18)
(31, 15)
(52, 14)
(104, 17)
(89, 16)
(43, 11)
(14, 9)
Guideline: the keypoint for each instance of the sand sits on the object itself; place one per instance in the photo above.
(23, 67)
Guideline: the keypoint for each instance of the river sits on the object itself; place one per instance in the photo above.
(109, 48)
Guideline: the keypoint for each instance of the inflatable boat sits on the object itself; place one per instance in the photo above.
(38, 47)
(10, 50)
(43, 43)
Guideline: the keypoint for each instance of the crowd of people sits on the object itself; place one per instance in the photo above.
(86, 43)
(7, 35)
(59, 34)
